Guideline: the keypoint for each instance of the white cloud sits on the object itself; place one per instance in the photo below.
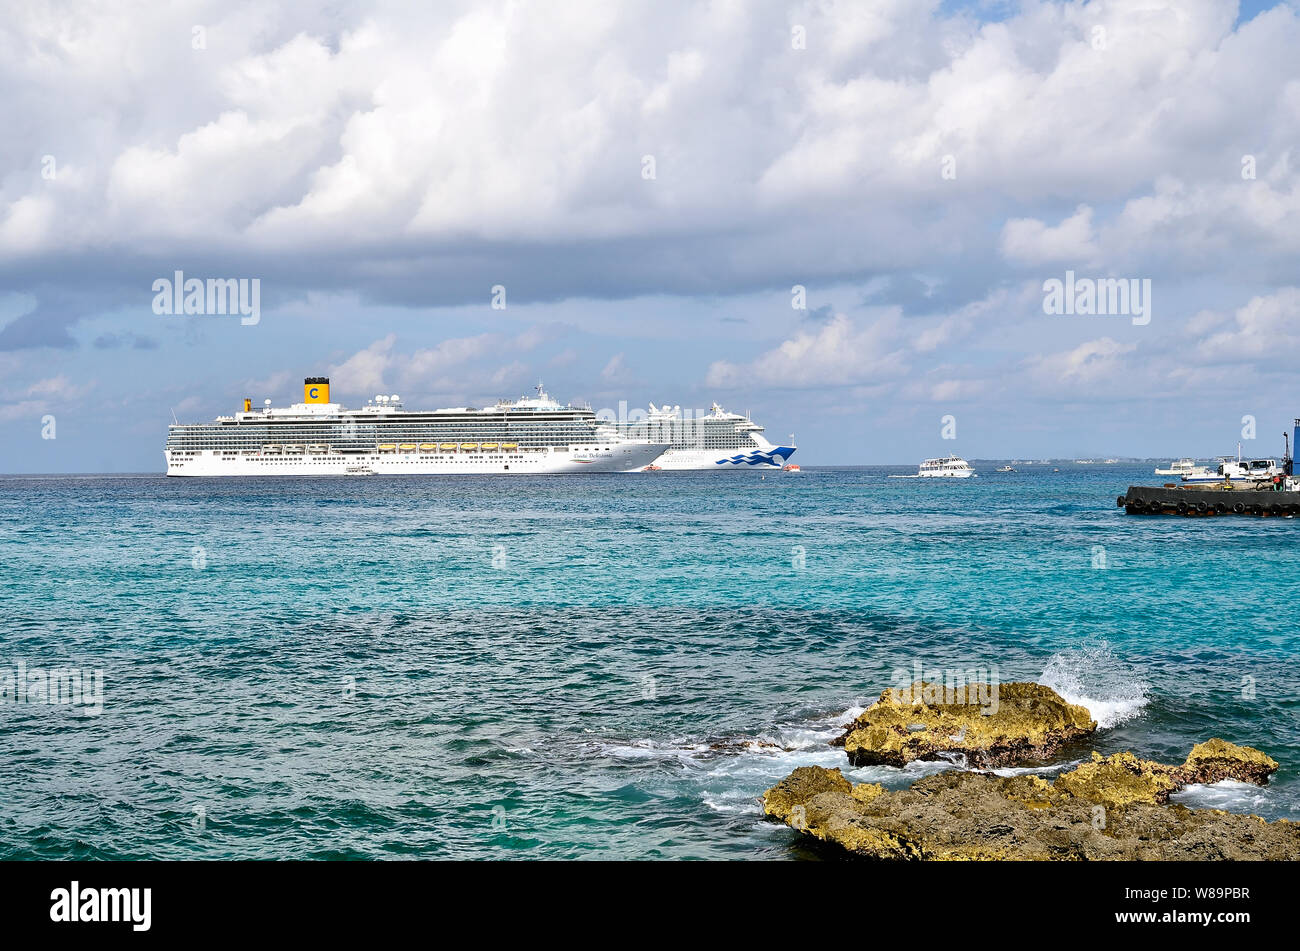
(1030, 241)
(948, 391)
(365, 370)
(276, 382)
(379, 126)
(566, 357)
(615, 369)
(1266, 328)
(453, 364)
(24, 409)
(59, 388)
(48, 395)
(840, 352)
(1091, 362)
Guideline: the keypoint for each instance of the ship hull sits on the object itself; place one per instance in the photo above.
(620, 458)
(1157, 500)
(768, 457)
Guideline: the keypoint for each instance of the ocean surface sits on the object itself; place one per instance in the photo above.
(587, 666)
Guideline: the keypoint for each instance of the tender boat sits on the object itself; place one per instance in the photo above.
(791, 467)
(948, 467)
(1180, 468)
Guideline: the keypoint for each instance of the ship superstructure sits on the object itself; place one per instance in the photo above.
(320, 437)
(714, 440)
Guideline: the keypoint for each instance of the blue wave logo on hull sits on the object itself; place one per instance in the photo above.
(759, 457)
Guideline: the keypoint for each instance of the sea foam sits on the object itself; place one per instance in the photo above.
(1095, 678)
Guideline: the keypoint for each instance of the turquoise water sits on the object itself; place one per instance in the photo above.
(611, 666)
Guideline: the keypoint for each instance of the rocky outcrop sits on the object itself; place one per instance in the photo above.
(1122, 779)
(1216, 759)
(990, 724)
(1113, 808)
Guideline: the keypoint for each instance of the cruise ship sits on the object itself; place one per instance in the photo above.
(714, 440)
(320, 437)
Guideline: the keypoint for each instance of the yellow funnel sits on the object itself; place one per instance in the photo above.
(316, 389)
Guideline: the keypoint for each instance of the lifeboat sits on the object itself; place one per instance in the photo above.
(270, 447)
(407, 447)
(427, 447)
(387, 447)
(489, 446)
(469, 445)
(447, 446)
(791, 467)
(509, 445)
(652, 468)
(318, 447)
(294, 449)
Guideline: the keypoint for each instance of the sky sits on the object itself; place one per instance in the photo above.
(841, 217)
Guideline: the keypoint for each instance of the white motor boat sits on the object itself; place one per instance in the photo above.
(949, 467)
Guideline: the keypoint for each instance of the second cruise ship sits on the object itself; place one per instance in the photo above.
(715, 440)
(319, 437)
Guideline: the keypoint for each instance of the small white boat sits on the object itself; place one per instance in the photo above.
(1239, 470)
(949, 467)
(1005, 469)
(1179, 468)
(358, 471)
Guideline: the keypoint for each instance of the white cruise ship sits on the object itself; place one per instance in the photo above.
(320, 437)
(714, 440)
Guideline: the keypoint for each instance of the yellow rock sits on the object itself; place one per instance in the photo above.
(991, 724)
(865, 792)
(958, 815)
(799, 788)
(1119, 780)
(1217, 759)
